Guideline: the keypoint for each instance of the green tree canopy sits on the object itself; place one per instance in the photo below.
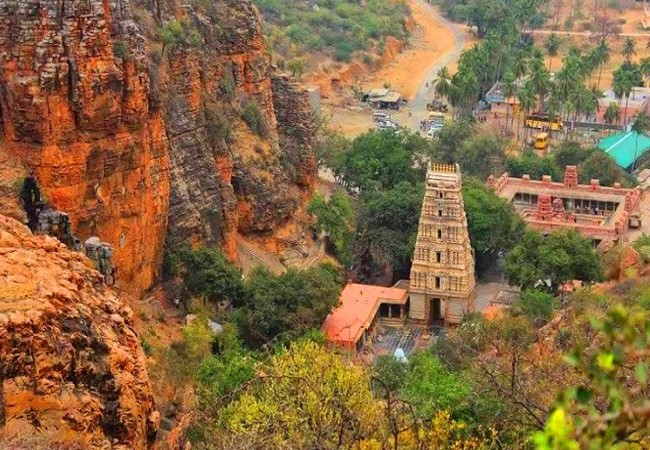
(286, 306)
(559, 257)
(335, 217)
(494, 226)
(208, 274)
(571, 153)
(389, 220)
(531, 164)
(382, 159)
(601, 166)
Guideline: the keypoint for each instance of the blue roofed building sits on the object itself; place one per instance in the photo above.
(625, 148)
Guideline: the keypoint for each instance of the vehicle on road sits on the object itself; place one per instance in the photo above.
(388, 125)
(379, 116)
(541, 142)
(544, 122)
(437, 105)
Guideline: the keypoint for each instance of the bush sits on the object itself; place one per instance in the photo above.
(537, 306)
(253, 117)
(120, 50)
(208, 274)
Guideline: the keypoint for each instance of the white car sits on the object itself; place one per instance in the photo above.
(387, 125)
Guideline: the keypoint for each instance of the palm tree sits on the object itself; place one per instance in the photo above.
(509, 91)
(520, 67)
(552, 45)
(527, 100)
(644, 67)
(640, 126)
(442, 83)
(603, 57)
(612, 113)
(623, 85)
(540, 79)
(628, 48)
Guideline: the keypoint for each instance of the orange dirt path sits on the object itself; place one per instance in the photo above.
(430, 40)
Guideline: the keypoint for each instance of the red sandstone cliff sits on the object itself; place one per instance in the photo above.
(141, 146)
(72, 369)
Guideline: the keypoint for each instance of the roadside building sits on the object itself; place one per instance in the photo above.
(498, 103)
(352, 324)
(384, 99)
(638, 101)
(625, 148)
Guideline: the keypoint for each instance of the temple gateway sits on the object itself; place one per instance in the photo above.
(442, 283)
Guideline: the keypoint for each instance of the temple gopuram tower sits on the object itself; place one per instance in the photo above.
(442, 284)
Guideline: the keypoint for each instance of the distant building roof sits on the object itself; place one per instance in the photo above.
(623, 147)
(376, 93)
(357, 309)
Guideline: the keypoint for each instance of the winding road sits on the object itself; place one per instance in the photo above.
(418, 106)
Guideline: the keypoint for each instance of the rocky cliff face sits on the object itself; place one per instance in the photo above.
(72, 370)
(128, 132)
(79, 117)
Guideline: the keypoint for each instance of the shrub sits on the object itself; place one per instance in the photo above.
(208, 274)
(253, 117)
(217, 126)
(120, 50)
(537, 306)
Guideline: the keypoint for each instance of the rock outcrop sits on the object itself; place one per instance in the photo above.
(129, 133)
(79, 117)
(72, 369)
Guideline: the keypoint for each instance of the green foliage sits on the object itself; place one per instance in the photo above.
(286, 306)
(222, 374)
(537, 306)
(253, 117)
(336, 218)
(556, 258)
(170, 264)
(207, 273)
(330, 147)
(450, 138)
(480, 156)
(602, 167)
(431, 387)
(531, 164)
(217, 125)
(389, 220)
(146, 347)
(120, 50)
(611, 409)
(337, 27)
(571, 153)
(305, 397)
(381, 160)
(494, 226)
(177, 34)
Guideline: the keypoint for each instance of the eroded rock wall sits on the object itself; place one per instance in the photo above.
(78, 116)
(142, 141)
(72, 369)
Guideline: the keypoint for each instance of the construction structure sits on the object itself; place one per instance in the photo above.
(600, 213)
(442, 283)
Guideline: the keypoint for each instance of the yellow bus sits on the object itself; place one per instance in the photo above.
(543, 122)
(541, 142)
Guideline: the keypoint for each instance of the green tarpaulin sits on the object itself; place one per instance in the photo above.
(623, 146)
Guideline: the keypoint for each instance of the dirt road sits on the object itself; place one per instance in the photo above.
(434, 43)
(425, 93)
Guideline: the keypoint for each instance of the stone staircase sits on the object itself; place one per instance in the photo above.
(250, 257)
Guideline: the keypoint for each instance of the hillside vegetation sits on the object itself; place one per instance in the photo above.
(336, 27)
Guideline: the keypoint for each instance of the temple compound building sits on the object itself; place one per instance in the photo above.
(442, 283)
(600, 213)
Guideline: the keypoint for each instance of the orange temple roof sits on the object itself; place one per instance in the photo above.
(358, 306)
